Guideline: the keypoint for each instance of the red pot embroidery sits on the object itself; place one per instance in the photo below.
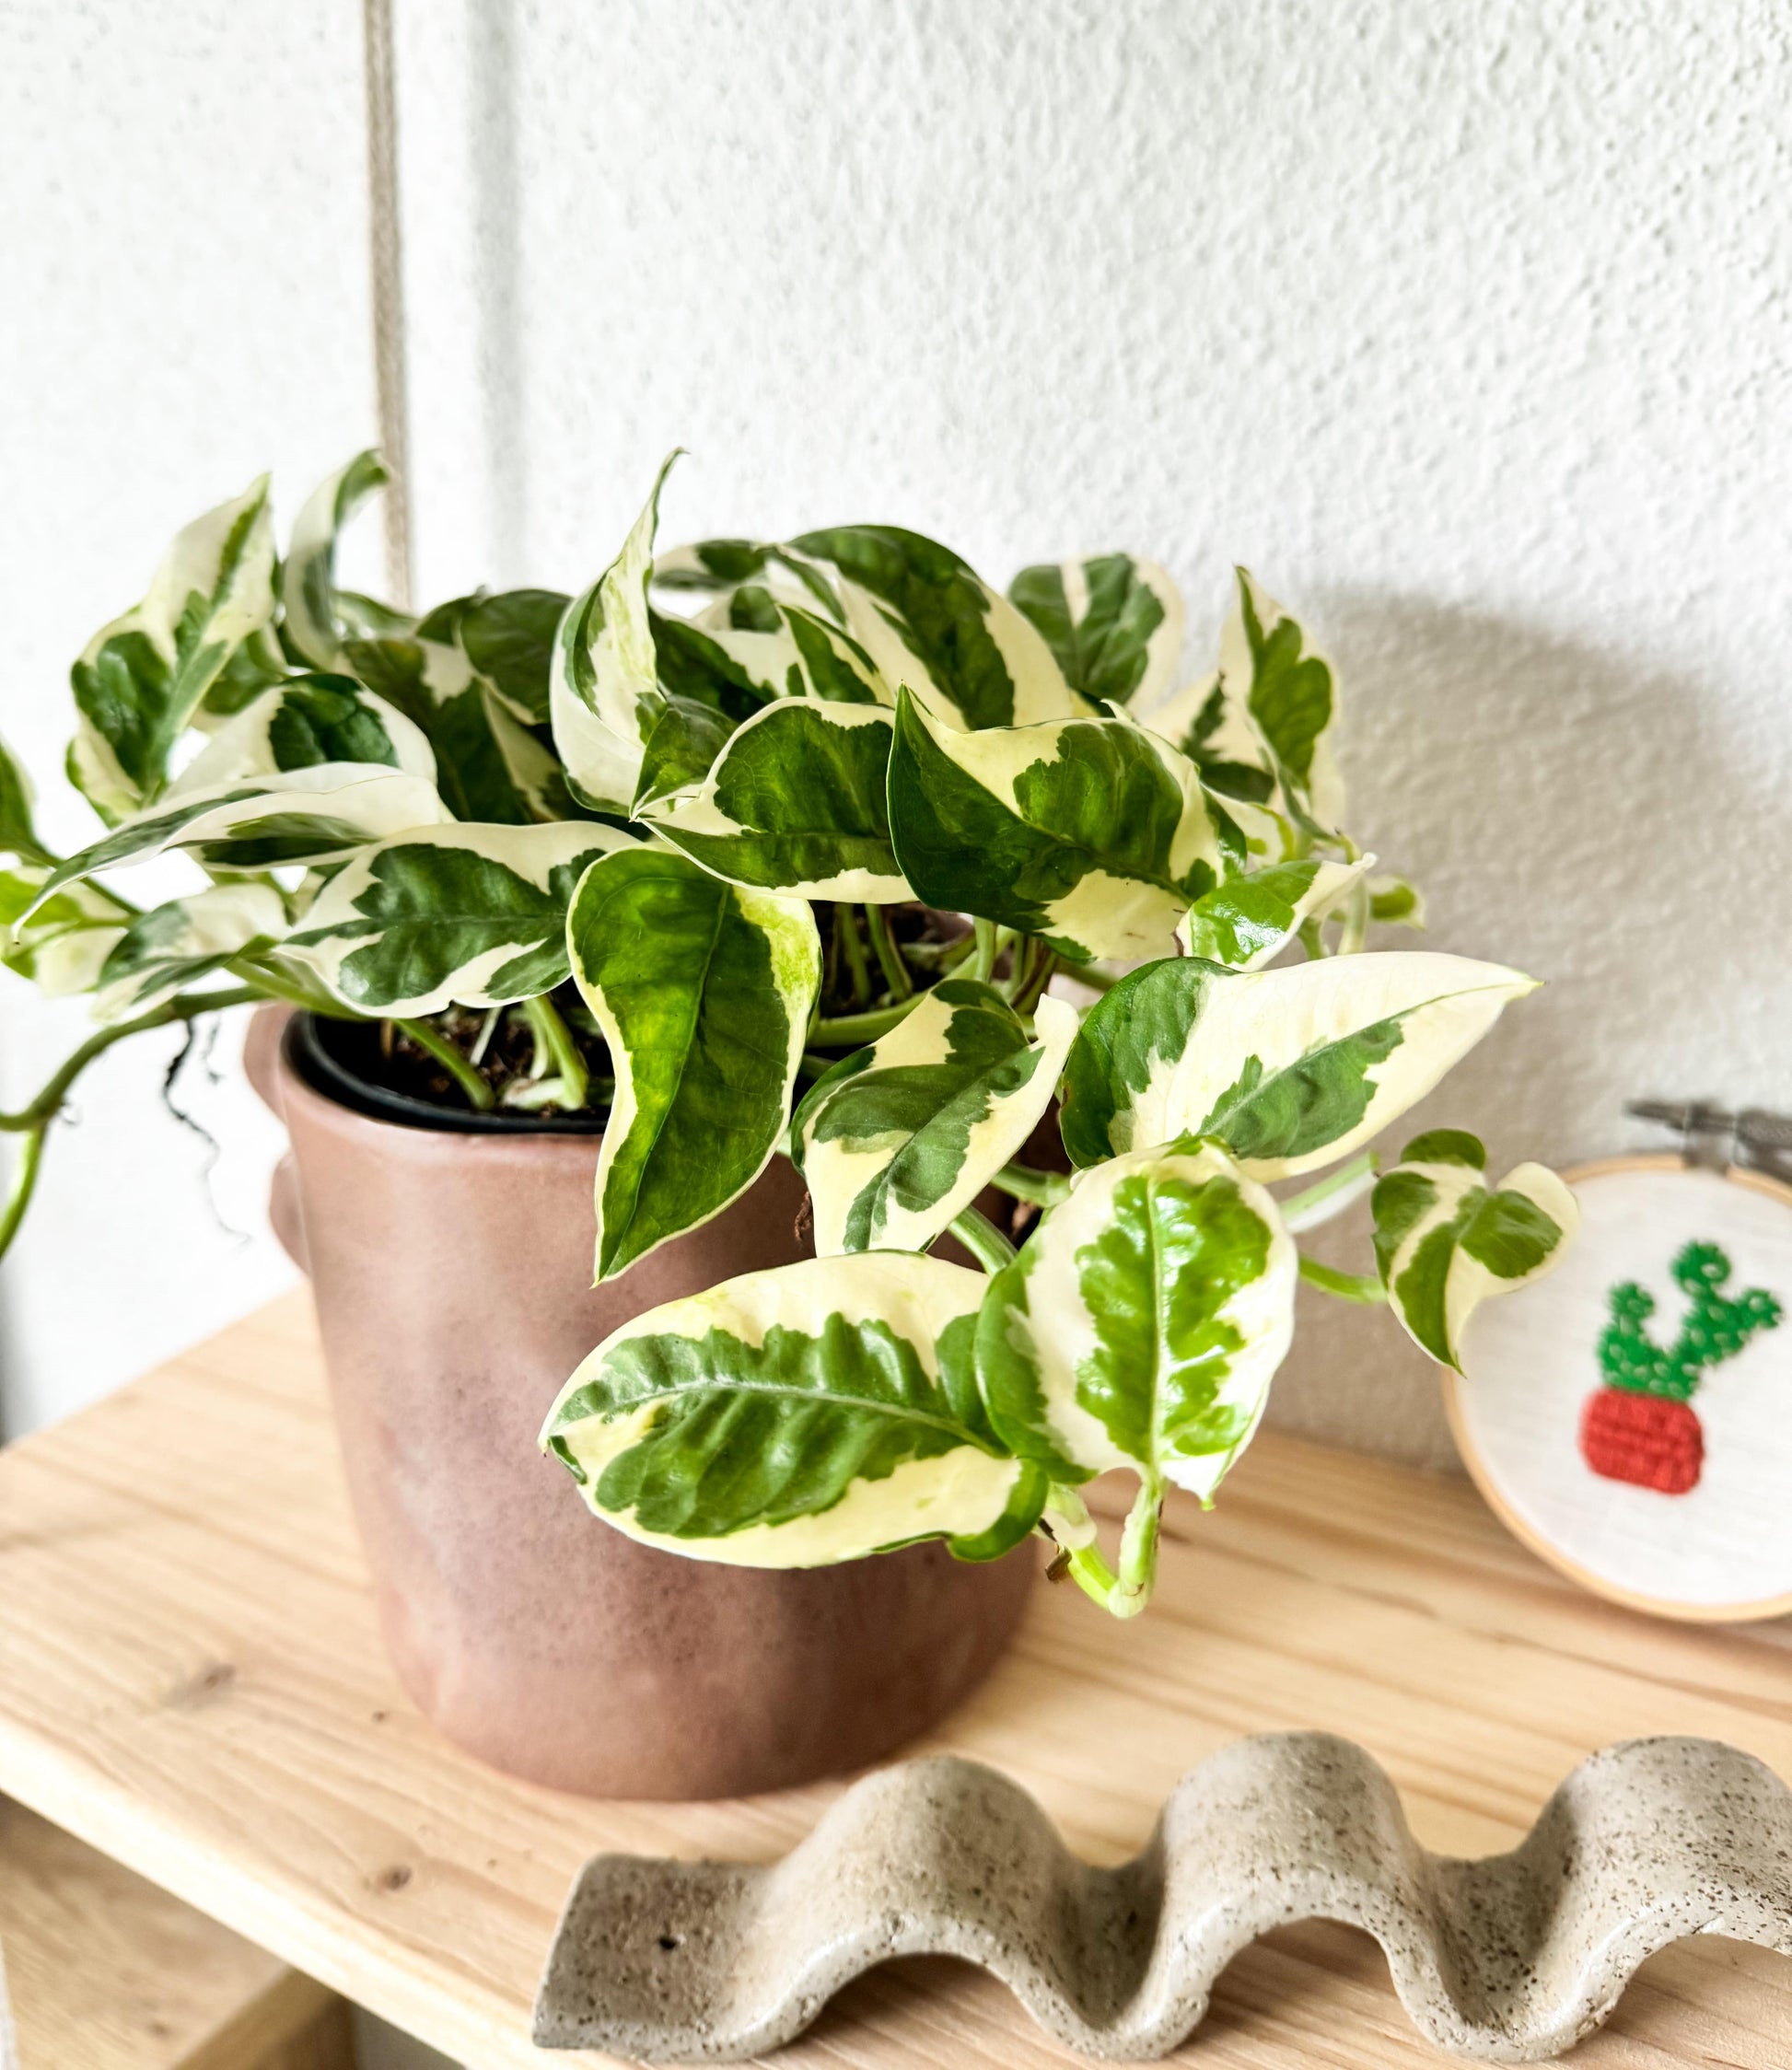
(1641, 1426)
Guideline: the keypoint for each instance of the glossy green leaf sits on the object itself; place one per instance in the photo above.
(1291, 1069)
(18, 833)
(490, 767)
(796, 804)
(469, 913)
(603, 682)
(140, 679)
(509, 640)
(897, 1139)
(312, 623)
(175, 945)
(59, 942)
(301, 724)
(929, 621)
(1395, 902)
(797, 1418)
(1113, 622)
(679, 746)
(1248, 920)
(704, 992)
(1143, 1322)
(1093, 834)
(314, 815)
(1444, 1241)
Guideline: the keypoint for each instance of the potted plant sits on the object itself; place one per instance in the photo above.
(757, 861)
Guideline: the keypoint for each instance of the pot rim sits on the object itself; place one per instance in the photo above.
(308, 1058)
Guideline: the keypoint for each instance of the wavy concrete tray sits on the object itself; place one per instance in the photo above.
(1510, 1960)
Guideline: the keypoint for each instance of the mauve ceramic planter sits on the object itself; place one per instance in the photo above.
(451, 1274)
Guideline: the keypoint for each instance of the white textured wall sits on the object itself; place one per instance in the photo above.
(1465, 326)
(185, 304)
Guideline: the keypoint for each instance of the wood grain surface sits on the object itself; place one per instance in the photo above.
(108, 1972)
(191, 1681)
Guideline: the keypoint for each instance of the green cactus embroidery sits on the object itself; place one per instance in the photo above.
(1715, 1328)
(1640, 1427)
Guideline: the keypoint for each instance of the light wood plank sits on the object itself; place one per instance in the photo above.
(106, 1972)
(190, 1678)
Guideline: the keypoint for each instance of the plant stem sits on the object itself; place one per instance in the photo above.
(1363, 1287)
(479, 1094)
(1126, 1593)
(1030, 994)
(849, 1031)
(890, 958)
(1044, 1188)
(24, 1180)
(845, 931)
(1312, 941)
(984, 1240)
(33, 1120)
(984, 962)
(556, 1038)
(54, 1090)
(1330, 1196)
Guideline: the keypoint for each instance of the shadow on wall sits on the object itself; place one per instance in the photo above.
(1606, 826)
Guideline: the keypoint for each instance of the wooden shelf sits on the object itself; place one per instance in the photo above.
(105, 1972)
(191, 1682)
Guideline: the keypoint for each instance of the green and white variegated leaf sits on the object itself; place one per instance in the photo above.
(1261, 726)
(66, 939)
(899, 1138)
(509, 640)
(1093, 834)
(795, 803)
(604, 682)
(18, 833)
(929, 621)
(1444, 1242)
(762, 642)
(797, 1418)
(1113, 622)
(1291, 699)
(140, 679)
(475, 915)
(704, 992)
(299, 724)
(712, 567)
(1290, 1069)
(1395, 901)
(1142, 1323)
(311, 621)
(1248, 920)
(305, 816)
(489, 766)
(174, 946)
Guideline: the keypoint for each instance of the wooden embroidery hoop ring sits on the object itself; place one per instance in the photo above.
(1526, 1534)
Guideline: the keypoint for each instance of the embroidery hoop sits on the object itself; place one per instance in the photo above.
(1693, 1121)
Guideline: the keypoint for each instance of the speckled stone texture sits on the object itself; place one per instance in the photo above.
(1512, 1958)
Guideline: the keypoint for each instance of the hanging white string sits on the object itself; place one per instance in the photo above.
(387, 291)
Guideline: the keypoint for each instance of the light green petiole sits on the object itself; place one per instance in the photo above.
(1337, 1191)
(983, 1240)
(1044, 1189)
(1362, 1287)
(889, 960)
(552, 1034)
(479, 1094)
(1124, 1593)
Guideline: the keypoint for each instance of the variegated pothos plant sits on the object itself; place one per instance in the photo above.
(840, 855)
